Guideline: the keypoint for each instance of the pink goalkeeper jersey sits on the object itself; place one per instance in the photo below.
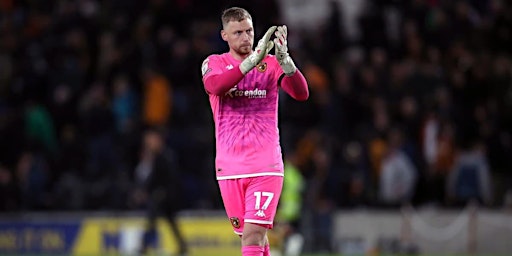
(247, 137)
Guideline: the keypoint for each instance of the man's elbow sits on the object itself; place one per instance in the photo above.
(302, 96)
(216, 92)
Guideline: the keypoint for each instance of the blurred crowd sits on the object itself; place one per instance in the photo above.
(416, 109)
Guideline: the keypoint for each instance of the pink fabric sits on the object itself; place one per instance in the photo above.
(266, 250)
(296, 86)
(245, 118)
(251, 200)
(219, 84)
(252, 250)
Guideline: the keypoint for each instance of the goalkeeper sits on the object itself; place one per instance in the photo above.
(243, 88)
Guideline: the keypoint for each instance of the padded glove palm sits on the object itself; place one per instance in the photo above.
(284, 59)
(262, 49)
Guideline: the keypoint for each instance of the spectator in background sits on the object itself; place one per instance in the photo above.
(161, 188)
(398, 175)
(470, 177)
(127, 120)
(108, 56)
(8, 190)
(343, 110)
(62, 107)
(378, 126)
(68, 190)
(156, 104)
(124, 104)
(314, 157)
(39, 128)
(352, 182)
(322, 204)
(102, 164)
(289, 209)
(439, 140)
(32, 179)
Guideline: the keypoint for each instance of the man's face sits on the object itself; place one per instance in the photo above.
(239, 35)
(153, 142)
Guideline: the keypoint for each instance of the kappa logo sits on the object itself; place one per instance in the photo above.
(229, 67)
(260, 213)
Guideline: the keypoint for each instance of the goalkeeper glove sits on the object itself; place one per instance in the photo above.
(264, 46)
(284, 59)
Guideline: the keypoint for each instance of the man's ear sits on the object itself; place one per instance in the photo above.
(224, 35)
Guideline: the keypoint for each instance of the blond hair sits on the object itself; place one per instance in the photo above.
(234, 14)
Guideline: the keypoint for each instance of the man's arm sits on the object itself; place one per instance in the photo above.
(293, 82)
(219, 84)
(295, 85)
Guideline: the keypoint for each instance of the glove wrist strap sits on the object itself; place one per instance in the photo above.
(288, 66)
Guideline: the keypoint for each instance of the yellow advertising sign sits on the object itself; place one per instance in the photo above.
(205, 236)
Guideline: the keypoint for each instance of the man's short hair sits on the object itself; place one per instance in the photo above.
(234, 14)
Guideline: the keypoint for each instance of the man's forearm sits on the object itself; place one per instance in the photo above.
(296, 86)
(221, 83)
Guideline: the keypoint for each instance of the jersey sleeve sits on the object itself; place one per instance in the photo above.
(216, 80)
(210, 66)
(296, 86)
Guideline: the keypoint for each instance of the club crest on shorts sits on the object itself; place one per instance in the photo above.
(262, 67)
(235, 222)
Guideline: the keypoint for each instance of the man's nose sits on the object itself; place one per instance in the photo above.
(245, 36)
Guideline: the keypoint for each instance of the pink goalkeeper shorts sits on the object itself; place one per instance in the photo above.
(251, 200)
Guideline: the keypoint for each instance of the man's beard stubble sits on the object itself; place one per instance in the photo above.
(244, 50)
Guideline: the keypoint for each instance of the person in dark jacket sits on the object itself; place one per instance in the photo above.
(160, 180)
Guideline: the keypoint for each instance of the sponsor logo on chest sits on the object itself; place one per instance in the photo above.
(251, 94)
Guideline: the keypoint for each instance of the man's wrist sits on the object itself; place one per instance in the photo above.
(288, 66)
(246, 65)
